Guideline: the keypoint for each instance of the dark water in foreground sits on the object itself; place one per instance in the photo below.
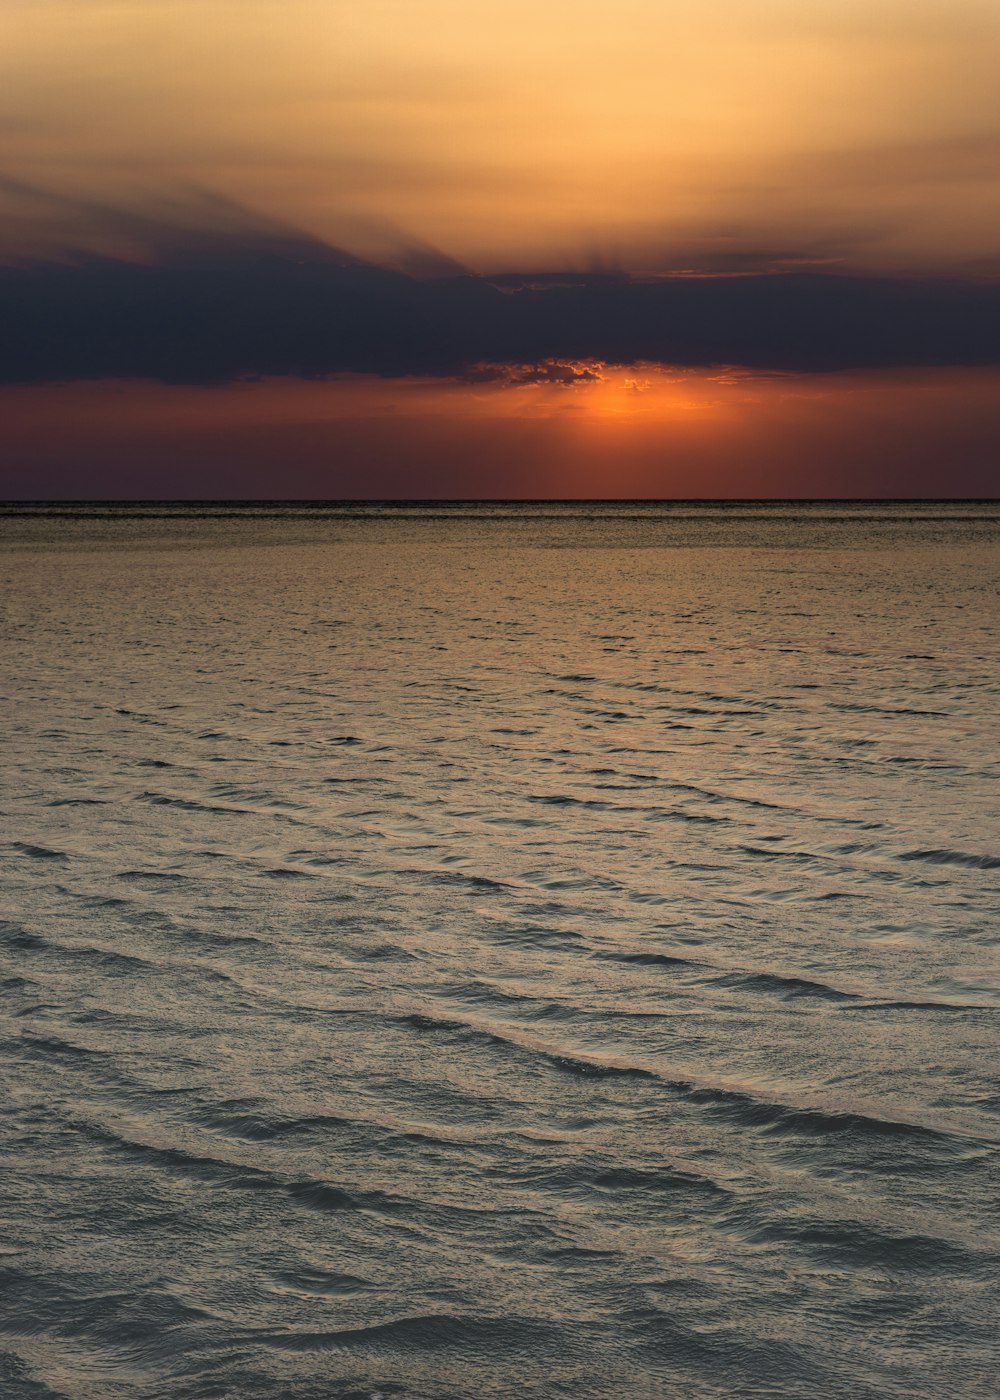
(500, 953)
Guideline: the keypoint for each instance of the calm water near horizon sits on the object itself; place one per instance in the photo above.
(501, 950)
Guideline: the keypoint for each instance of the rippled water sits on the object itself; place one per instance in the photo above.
(500, 952)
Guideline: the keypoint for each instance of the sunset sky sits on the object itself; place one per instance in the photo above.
(419, 248)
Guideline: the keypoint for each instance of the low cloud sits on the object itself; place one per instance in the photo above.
(219, 295)
(549, 372)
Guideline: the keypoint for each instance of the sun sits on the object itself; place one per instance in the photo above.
(640, 393)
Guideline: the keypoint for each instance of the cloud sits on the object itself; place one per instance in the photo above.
(548, 372)
(208, 293)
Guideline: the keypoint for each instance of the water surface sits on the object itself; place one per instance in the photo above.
(493, 951)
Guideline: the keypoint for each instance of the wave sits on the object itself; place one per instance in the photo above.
(562, 799)
(419, 1332)
(481, 883)
(566, 1061)
(258, 1125)
(771, 1116)
(669, 1180)
(20, 1383)
(802, 857)
(783, 985)
(79, 802)
(55, 1048)
(312, 1192)
(944, 856)
(321, 1283)
(783, 1119)
(863, 1245)
(134, 877)
(187, 804)
(650, 959)
(26, 848)
(926, 1004)
(110, 960)
(14, 936)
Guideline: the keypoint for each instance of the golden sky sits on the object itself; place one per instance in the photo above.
(645, 134)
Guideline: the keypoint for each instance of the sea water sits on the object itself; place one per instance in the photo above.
(493, 951)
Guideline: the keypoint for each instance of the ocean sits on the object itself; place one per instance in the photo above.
(500, 951)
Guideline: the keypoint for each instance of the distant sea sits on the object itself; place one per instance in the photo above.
(491, 951)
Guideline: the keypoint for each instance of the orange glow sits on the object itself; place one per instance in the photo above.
(636, 431)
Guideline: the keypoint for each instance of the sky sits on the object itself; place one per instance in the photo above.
(421, 248)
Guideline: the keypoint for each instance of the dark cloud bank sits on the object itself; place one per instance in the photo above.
(206, 309)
